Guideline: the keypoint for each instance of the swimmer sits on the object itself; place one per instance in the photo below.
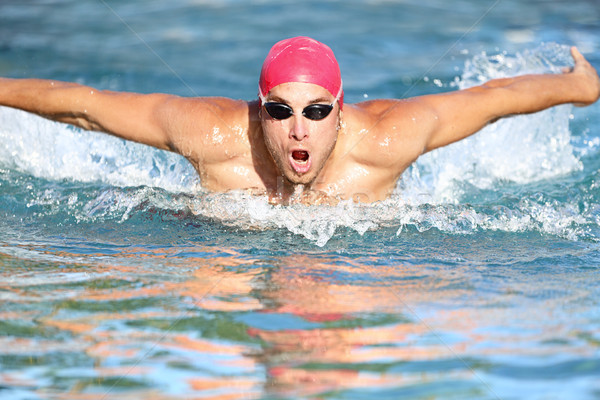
(299, 137)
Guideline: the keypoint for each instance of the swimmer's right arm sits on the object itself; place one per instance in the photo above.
(152, 119)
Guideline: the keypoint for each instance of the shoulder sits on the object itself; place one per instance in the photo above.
(382, 115)
(390, 132)
(209, 109)
(204, 129)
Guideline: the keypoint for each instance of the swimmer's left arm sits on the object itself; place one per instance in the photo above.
(457, 115)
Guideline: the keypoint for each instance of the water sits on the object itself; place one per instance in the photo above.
(121, 278)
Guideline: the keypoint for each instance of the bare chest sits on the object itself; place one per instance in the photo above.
(236, 174)
(355, 181)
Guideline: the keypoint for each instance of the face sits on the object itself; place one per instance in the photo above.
(300, 146)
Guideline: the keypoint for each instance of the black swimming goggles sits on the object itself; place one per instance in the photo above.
(314, 112)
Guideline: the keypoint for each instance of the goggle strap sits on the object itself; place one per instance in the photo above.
(339, 94)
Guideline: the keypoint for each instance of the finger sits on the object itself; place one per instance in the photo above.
(576, 54)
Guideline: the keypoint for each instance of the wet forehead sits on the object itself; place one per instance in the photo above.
(300, 93)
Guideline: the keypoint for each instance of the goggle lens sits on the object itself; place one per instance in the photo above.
(313, 112)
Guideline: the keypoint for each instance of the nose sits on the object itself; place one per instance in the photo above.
(299, 129)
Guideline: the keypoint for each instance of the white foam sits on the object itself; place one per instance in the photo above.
(56, 151)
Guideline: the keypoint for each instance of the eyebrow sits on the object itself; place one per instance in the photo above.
(318, 100)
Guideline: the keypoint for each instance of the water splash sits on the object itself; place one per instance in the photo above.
(55, 151)
(501, 179)
(520, 149)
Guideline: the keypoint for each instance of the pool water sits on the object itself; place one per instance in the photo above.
(120, 277)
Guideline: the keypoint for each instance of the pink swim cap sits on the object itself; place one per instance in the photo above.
(301, 59)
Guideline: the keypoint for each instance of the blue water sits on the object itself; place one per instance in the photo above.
(121, 278)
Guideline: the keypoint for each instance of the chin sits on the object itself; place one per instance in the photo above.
(304, 179)
(300, 180)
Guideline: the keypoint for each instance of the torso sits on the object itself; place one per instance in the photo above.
(361, 167)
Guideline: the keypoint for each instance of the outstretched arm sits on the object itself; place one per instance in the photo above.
(458, 115)
(131, 116)
(160, 120)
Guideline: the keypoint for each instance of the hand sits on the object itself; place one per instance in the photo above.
(590, 82)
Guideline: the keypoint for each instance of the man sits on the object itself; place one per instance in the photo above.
(299, 138)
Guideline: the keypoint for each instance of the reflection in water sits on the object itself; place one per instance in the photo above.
(215, 323)
(360, 327)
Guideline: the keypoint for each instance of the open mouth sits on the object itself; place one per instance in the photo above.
(300, 156)
(300, 161)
